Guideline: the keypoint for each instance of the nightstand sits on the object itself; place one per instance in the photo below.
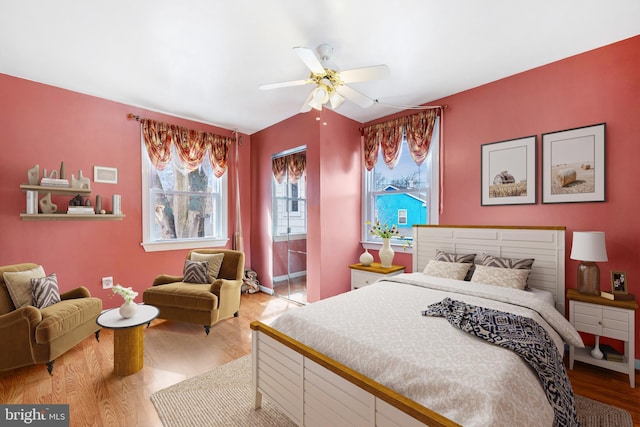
(606, 318)
(363, 275)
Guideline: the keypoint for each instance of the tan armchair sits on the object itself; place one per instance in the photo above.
(200, 303)
(42, 335)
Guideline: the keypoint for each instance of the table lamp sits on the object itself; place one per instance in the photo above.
(589, 247)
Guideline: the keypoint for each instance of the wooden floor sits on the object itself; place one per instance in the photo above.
(83, 377)
(294, 289)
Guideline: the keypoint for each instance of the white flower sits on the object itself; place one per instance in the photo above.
(127, 294)
(385, 231)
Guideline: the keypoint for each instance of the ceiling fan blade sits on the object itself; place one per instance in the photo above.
(310, 59)
(355, 96)
(307, 106)
(375, 72)
(285, 84)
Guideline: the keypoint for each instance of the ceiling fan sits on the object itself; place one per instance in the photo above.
(330, 82)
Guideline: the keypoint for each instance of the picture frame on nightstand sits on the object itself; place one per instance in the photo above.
(619, 283)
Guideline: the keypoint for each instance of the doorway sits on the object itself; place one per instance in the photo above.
(289, 207)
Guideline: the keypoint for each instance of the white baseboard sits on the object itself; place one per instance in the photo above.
(265, 289)
(292, 275)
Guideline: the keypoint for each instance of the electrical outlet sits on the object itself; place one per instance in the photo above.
(107, 282)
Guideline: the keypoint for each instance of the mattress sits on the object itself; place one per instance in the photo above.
(379, 331)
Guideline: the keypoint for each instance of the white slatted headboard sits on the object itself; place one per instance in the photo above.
(545, 244)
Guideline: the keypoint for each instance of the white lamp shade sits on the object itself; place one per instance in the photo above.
(589, 246)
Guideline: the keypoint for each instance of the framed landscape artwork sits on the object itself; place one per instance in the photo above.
(573, 165)
(508, 171)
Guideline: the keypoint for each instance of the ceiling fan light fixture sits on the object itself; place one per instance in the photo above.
(331, 83)
(319, 97)
(335, 99)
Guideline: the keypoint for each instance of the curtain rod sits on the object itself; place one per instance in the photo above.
(416, 107)
(234, 132)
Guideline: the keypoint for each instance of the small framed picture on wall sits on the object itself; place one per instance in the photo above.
(508, 172)
(573, 163)
(619, 282)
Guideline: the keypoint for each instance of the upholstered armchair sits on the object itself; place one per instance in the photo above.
(32, 335)
(208, 291)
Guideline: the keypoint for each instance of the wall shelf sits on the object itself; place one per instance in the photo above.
(55, 190)
(70, 217)
(63, 216)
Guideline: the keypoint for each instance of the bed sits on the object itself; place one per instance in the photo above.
(369, 357)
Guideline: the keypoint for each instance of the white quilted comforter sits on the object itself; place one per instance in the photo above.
(379, 331)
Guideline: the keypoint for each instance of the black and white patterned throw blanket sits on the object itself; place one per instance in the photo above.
(526, 338)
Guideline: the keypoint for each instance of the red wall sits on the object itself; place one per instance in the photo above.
(46, 125)
(598, 86)
(333, 197)
(283, 261)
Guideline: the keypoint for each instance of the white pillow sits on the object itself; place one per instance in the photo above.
(506, 277)
(448, 270)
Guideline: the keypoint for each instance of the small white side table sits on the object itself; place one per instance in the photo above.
(363, 275)
(128, 337)
(605, 318)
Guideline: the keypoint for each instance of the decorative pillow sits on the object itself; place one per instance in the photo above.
(494, 261)
(45, 291)
(215, 262)
(506, 277)
(196, 271)
(451, 257)
(449, 270)
(19, 285)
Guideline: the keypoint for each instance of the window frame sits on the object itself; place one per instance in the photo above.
(402, 213)
(433, 204)
(178, 244)
(287, 200)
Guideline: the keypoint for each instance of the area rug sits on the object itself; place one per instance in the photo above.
(223, 397)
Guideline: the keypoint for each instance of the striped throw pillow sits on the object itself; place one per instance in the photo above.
(195, 272)
(494, 261)
(45, 291)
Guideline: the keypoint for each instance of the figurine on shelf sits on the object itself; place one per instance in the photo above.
(46, 206)
(77, 201)
(53, 175)
(81, 182)
(33, 175)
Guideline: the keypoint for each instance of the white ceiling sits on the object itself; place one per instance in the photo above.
(204, 59)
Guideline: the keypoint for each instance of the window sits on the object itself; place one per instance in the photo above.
(289, 207)
(294, 197)
(182, 209)
(404, 195)
(402, 217)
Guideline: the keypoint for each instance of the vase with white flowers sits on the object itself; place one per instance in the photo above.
(129, 308)
(386, 233)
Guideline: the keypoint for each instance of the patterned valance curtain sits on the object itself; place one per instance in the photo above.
(387, 136)
(294, 164)
(191, 146)
(279, 166)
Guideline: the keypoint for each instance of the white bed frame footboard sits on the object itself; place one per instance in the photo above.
(315, 390)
